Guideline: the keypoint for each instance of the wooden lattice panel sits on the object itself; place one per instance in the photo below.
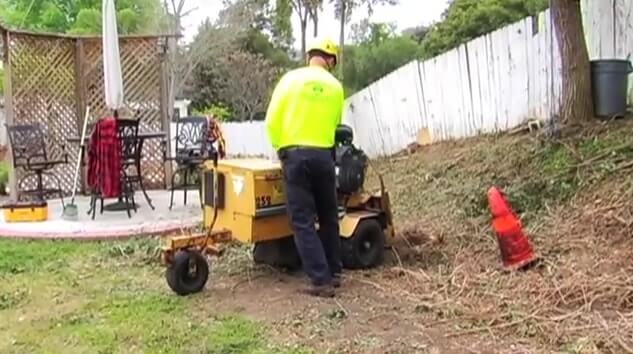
(54, 77)
(43, 91)
(140, 66)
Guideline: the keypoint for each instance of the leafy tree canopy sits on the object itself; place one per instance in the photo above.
(377, 51)
(245, 61)
(81, 16)
(464, 20)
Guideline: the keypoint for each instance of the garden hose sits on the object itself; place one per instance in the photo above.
(220, 152)
(215, 198)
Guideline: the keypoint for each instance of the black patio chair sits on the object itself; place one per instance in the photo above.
(31, 154)
(191, 152)
(131, 148)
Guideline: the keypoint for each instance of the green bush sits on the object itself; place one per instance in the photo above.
(220, 112)
(4, 176)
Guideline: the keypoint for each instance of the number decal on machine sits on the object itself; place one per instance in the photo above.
(262, 201)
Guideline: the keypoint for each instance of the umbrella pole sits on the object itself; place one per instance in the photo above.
(119, 204)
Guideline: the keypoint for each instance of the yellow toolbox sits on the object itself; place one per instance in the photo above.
(26, 211)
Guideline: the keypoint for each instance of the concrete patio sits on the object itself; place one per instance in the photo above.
(111, 224)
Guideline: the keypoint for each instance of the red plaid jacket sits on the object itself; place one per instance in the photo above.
(104, 160)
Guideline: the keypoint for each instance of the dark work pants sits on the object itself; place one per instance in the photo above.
(310, 185)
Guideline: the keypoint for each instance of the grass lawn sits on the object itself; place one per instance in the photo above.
(69, 297)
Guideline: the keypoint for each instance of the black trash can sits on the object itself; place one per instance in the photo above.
(610, 83)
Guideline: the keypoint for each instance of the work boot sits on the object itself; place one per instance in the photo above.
(319, 290)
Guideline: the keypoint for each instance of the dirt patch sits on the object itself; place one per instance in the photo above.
(574, 196)
(365, 317)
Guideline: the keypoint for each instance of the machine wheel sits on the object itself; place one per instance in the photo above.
(365, 249)
(188, 273)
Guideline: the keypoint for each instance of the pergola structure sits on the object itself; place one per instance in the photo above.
(51, 78)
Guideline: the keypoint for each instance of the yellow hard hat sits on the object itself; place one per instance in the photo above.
(326, 46)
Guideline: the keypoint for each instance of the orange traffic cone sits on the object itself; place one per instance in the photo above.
(516, 251)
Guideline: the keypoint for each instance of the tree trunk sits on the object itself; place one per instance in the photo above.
(172, 85)
(304, 25)
(577, 103)
(341, 38)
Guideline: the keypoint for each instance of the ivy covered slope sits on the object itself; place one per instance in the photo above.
(574, 198)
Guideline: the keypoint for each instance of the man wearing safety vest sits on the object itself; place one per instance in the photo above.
(304, 111)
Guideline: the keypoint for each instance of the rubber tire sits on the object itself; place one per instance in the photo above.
(177, 273)
(353, 251)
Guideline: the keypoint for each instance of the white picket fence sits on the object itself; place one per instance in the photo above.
(489, 84)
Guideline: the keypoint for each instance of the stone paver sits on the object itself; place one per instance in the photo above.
(111, 225)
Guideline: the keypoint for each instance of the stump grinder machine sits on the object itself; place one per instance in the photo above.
(244, 201)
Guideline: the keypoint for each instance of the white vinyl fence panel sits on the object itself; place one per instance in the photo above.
(492, 83)
(242, 139)
(247, 139)
(400, 95)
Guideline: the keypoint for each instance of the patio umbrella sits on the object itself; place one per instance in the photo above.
(111, 59)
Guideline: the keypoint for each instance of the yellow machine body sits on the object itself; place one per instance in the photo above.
(26, 212)
(251, 202)
(244, 200)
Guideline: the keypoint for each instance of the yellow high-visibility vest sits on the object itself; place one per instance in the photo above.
(305, 109)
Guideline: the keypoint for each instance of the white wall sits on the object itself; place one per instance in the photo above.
(242, 139)
(247, 139)
(182, 106)
(489, 84)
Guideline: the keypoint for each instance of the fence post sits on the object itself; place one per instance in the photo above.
(8, 107)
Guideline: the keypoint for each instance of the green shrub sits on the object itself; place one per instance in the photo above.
(220, 112)
(4, 176)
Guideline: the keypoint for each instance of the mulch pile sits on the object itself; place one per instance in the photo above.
(578, 297)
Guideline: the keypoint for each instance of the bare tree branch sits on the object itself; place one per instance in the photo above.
(183, 60)
(249, 79)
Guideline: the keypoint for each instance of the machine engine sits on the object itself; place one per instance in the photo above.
(350, 161)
